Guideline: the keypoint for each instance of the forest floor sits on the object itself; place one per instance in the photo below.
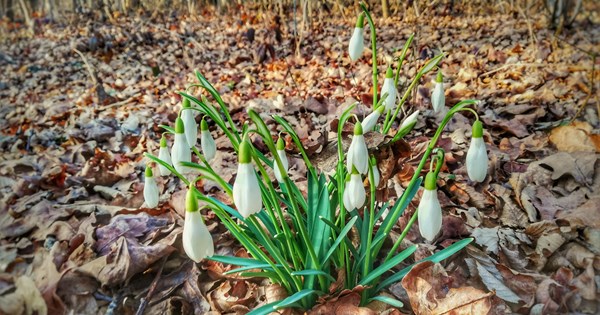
(81, 103)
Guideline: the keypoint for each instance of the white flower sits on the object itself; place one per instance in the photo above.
(357, 45)
(284, 161)
(376, 175)
(180, 151)
(389, 87)
(438, 99)
(246, 190)
(358, 154)
(151, 194)
(477, 158)
(347, 203)
(209, 147)
(163, 154)
(410, 121)
(197, 241)
(189, 122)
(430, 211)
(356, 191)
(371, 120)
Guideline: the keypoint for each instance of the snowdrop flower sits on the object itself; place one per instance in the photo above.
(389, 87)
(356, 190)
(409, 122)
(284, 161)
(346, 197)
(209, 147)
(246, 191)
(375, 170)
(438, 99)
(357, 45)
(430, 211)
(163, 154)
(358, 154)
(180, 151)
(371, 120)
(189, 122)
(151, 194)
(197, 241)
(477, 158)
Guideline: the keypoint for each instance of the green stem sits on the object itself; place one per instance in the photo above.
(402, 57)
(374, 50)
(368, 265)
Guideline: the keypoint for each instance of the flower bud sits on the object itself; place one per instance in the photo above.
(189, 122)
(356, 190)
(438, 99)
(375, 170)
(358, 154)
(180, 151)
(246, 189)
(151, 194)
(357, 45)
(371, 120)
(409, 122)
(163, 154)
(430, 211)
(209, 147)
(284, 161)
(389, 87)
(197, 241)
(477, 158)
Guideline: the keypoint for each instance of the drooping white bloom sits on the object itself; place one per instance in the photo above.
(163, 154)
(347, 203)
(246, 190)
(438, 99)
(371, 120)
(409, 121)
(189, 122)
(197, 241)
(356, 191)
(358, 154)
(389, 87)
(284, 161)
(376, 175)
(357, 45)
(207, 142)
(151, 193)
(430, 211)
(180, 151)
(477, 158)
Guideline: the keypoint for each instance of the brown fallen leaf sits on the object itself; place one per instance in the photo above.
(575, 137)
(26, 299)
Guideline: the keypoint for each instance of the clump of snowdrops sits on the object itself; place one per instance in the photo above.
(302, 241)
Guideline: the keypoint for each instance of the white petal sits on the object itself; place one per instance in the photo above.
(360, 154)
(357, 45)
(190, 126)
(438, 99)
(370, 121)
(350, 156)
(163, 154)
(151, 194)
(180, 152)
(390, 88)
(197, 241)
(347, 203)
(376, 175)
(284, 162)
(357, 191)
(430, 215)
(246, 191)
(477, 160)
(409, 120)
(209, 147)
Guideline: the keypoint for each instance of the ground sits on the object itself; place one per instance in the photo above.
(82, 101)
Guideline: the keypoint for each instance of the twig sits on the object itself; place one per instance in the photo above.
(145, 300)
(514, 65)
(88, 66)
(117, 104)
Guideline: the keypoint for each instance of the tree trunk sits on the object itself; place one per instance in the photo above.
(385, 9)
(27, 17)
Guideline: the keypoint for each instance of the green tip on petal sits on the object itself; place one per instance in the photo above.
(148, 171)
(245, 155)
(440, 77)
(280, 144)
(203, 125)
(360, 22)
(430, 181)
(191, 203)
(389, 73)
(358, 131)
(347, 179)
(477, 129)
(186, 102)
(354, 170)
(163, 141)
(179, 125)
